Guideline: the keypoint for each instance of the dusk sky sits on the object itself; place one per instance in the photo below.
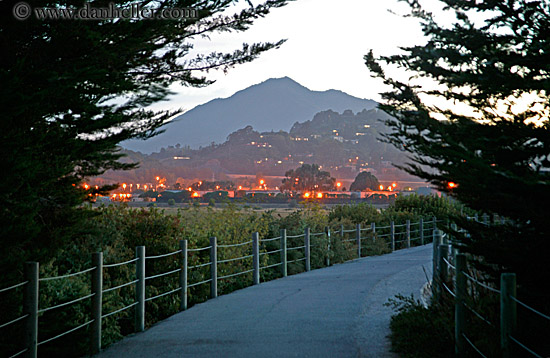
(326, 44)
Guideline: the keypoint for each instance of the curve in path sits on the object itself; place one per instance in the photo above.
(331, 312)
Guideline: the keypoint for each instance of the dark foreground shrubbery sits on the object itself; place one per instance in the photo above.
(420, 332)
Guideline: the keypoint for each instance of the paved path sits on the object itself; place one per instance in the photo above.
(332, 312)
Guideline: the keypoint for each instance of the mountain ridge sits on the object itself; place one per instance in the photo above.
(275, 104)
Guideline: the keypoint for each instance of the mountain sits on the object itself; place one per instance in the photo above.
(275, 104)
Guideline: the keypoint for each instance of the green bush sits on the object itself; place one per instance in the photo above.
(420, 332)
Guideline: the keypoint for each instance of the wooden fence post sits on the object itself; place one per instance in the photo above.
(327, 231)
(213, 267)
(408, 233)
(140, 289)
(307, 249)
(183, 275)
(508, 311)
(284, 263)
(373, 230)
(358, 239)
(256, 257)
(392, 236)
(97, 290)
(443, 251)
(460, 309)
(30, 308)
(435, 288)
(421, 229)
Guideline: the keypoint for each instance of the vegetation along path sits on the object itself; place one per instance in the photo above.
(332, 312)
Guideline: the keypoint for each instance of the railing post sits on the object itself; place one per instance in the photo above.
(485, 219)
(358, 239)
(476, 218)
(284, 264)
(435, 288)
(508, 311)
(460, 311)
(97, 290)
(30, 308)
(392, 235)
(183, 275)
(443, 254)
(327, 231)
(307, 249)
(140, 289)
(213, 267)
(434, 223)
(256, 257)
(342, 232)
(421, 229)
(408, 233)
(373, 230)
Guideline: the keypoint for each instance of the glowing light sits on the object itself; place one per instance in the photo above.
(190, 189)
(195, 195)
(452, 185)
(86, 186)
(262, 182)
(319, 195)
(394, 185)
(338, 184)
(381, 187)
(240, 187)
(306, 195)
(124, 186)
(145, 186)
(157, 178)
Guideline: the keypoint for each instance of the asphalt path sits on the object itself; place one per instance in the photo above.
(331, 312)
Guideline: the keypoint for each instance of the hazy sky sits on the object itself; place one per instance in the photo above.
(326, 44)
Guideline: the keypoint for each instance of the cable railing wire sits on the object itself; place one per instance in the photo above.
(295, 248)
(234, 274)
(162, 294)
(449, 264)
(473, 346)
(525, 347)
(19, 353)
(163, 274)
(480, 283)
(14, 286)
(119, 310)
(67, 275)
(272, 239)
(65, 333)
(448, 289)
(199, 249)
(295, 236)
(271, 252)
(199, 283)
(120, 263)
(530, 308)
(236, 245)
(163, 255)
(120, 286)
(66, 303)
(13, 321)
(270, 266)
(479, 315)
(235, 259)
(201, 265)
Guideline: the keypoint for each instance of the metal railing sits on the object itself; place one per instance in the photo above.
(248, 259)
(464, 281)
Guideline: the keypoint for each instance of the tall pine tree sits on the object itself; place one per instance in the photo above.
(474, 116)
(72, 90)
